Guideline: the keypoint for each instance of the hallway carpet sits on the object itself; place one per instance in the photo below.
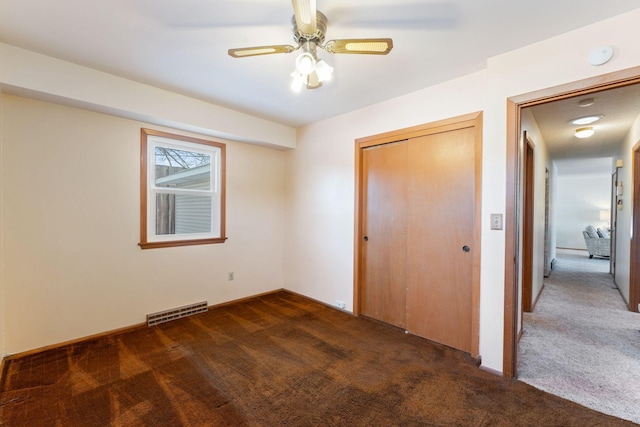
(278, 359)
(581, 342)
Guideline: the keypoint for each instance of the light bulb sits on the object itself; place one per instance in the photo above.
(298, 82)
(324, 71)
(305, 63)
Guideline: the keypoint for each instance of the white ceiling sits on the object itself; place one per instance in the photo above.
(620, 107)
(181, 45)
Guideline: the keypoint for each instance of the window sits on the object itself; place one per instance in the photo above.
(182, 189)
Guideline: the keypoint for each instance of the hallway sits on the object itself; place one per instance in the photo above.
(580, 342)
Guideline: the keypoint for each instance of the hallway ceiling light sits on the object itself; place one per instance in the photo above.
(586, 120)
(585, 132)
(587, 102)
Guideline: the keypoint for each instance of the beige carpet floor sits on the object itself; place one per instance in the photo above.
(581, 342)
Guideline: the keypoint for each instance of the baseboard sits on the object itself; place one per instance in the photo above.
(250, 297)
(319, 302)
(114, 332)
(75, 341)
(2, 373)
(535, 301)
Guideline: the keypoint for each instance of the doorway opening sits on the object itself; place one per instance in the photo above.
(514, 260)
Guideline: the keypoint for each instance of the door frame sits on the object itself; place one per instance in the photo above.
(547, 216)
(513, 226)
(613, 223)
(634, 259)
(460, 122)
(528, 211)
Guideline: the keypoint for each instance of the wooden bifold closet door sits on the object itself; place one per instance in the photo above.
(418, 214)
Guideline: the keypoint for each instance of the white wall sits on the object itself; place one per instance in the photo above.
(624, 226)
(541, 163)
(320, 172)
(71, 215)
(580, 200)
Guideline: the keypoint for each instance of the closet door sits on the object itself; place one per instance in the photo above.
(382, 294)
(441, 196)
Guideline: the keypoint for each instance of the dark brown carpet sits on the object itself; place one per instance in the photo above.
(275, 360)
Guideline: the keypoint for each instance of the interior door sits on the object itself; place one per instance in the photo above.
(441, 235)
(383, 295)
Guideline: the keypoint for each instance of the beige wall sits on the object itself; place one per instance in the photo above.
(320, 172)
(31, 74)
(71, 215)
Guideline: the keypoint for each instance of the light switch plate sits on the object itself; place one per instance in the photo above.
(496, 221)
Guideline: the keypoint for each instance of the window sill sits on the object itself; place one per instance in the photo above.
(172, 243)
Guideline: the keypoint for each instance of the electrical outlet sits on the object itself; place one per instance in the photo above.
(231, 276)
(340, 305)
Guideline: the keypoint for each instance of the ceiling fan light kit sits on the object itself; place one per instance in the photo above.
(309, 27)
(310, 71)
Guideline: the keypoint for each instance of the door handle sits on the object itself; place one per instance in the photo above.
(366, 238)
(466, 248)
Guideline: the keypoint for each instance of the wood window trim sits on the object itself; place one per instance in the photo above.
(144, 243)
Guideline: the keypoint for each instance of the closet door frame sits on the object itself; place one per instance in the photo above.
(469, 120)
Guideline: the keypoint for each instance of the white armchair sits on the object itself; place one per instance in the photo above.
(597, 241)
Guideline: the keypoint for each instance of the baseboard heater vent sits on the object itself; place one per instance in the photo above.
(176, 313)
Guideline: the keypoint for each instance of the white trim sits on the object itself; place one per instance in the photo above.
(213, 191)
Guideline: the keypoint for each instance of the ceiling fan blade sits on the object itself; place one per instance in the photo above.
(305, 15)
(260, 50)
(362, 46)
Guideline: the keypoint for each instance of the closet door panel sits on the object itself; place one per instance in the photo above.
(440, 237)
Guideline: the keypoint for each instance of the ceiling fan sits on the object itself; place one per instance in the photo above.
(309, 28)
